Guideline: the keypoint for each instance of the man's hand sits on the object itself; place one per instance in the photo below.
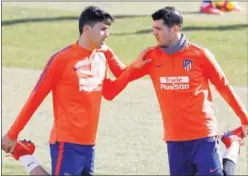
(8, 145)
(140, 62)
(245, 130)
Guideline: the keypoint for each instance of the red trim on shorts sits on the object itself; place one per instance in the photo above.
(60, 157)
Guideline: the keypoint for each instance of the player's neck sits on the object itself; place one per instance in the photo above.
(175, 40)
(85, 43)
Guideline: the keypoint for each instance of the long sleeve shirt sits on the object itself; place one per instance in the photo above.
(76, 78)
(182, 84)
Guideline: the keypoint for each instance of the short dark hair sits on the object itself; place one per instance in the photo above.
(169, 15)
(91, 15)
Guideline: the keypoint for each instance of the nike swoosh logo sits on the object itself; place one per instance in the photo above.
(213, 170)
(160, 65)
(30, 164)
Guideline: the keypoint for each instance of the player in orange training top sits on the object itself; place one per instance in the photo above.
(76, 76)
(180, 72)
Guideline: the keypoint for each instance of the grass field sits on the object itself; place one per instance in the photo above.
(130, 130)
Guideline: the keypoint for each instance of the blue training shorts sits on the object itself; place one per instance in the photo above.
(72, 159)
(195, 157)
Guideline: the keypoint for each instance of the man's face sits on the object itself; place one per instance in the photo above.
(98, 33)
(162, 33)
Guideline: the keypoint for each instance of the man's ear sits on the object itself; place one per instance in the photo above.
(176, 28)
(86, 28)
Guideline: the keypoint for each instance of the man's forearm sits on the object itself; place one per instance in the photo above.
(111, 88)
(231, 98)
(36, 97)
(23, 118)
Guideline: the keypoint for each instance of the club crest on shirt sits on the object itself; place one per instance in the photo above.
(187, 64)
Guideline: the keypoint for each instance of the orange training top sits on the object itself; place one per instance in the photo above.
(181, 82)
(76, 77)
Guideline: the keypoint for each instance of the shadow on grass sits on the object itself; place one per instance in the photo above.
(144, 31)
(55, 19)
(191, 28)
(67, 18)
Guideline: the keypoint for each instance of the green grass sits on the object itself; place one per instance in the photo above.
(13, 169)
(30, 44)
(131, 123)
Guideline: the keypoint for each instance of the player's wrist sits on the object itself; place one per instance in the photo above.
(12, 135)
(244, 120)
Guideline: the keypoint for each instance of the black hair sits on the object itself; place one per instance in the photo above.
(169, 15)
(91, 15)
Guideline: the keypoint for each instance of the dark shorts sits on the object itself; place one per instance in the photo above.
(72, 159)
(201, 157)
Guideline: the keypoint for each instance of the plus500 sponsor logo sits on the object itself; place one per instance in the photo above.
(174, 83)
